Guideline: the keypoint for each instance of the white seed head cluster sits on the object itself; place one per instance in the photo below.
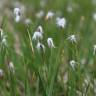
(38, 36)
(17, 13)
(61, 22)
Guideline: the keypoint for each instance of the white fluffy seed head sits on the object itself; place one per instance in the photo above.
(37, 36)
(17, 11)
(50, 43)
(27, 21)
(11, 67)
(40, 14)
(73, 63)
(4, 42)
(61, 22)
(49, 15)
(72, 38)
(1, 33)
(40, 47)
(69, 8)
(40, 29)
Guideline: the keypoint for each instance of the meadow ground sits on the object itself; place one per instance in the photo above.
(47, 48)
